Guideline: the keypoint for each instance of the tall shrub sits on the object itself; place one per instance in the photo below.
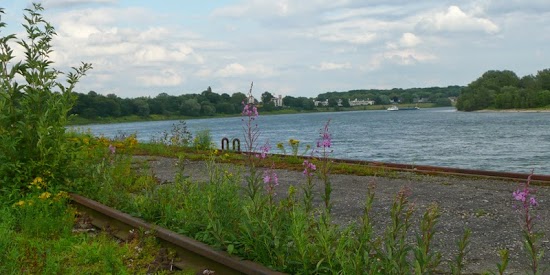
(34, 105)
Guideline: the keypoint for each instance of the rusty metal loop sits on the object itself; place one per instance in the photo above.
(236, 140)
(224, 142)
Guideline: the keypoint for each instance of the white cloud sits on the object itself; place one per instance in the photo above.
(70, 3)
(164, 78)
(454, 19)
(328, 66)
(407, 56)
(409, 40)
(237, 69)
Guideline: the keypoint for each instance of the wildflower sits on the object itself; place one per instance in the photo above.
(112, 149)
(325, 141)
(264, 150)
(20, 203)
(250, 110)
(271, 180)
(45, 195)
(309, 168)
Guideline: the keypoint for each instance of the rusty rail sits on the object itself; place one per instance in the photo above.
(439, 170)
(193, 254)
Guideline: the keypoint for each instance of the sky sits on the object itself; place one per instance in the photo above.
(289, 47)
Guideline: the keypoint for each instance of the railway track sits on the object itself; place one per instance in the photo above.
(436, 170)
(193, 254)
(538, 179)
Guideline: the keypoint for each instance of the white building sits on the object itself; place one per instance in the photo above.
(322, 103)
(277, 101)
(357, 102)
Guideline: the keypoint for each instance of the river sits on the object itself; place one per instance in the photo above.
(497, 141)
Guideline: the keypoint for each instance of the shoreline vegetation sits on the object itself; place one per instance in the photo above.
(75, 120)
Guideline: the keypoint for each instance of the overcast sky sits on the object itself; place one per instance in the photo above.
(291, 47)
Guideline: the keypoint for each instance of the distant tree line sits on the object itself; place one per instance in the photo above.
(505, 90)
(208, 103)
(437, 95)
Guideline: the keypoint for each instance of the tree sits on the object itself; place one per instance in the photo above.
(190, 107)
(543, 79)
(266, 97)
(142, 107)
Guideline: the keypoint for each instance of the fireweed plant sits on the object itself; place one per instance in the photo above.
(251, 135)
(527, 203)
(323, 151)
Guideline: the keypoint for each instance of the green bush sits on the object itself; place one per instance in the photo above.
(33, 110)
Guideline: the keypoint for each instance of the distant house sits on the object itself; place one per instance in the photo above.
(322, 103)
(277, 101)
(251, 100)
(357, 102)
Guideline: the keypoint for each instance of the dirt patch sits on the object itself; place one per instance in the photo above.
(484, 206)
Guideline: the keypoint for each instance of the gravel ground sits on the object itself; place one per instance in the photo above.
(484, 206)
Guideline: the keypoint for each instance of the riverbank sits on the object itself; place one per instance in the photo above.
(514, 111)
(484, 206)
(76, 120)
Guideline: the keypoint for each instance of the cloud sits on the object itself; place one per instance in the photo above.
(456, 20)
(73, 3)
(328, 66)
(164, 78)
(237, 69)
(409, 40)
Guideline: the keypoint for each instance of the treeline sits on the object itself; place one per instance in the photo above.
(437, 95)
(505, 90)
(208, 103)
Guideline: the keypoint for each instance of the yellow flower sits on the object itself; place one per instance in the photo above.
(45, 195)
(62, 194)
(20, 203)
(37, 181)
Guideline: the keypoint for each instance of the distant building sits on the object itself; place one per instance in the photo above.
(277, 101)
(322, 103)
(357, 102)
(251, 100)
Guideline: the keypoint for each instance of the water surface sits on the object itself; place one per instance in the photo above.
(513, 142)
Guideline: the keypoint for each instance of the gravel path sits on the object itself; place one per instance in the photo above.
(484, 206)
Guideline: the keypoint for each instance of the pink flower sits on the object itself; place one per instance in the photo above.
(112, 149)
(519, 195)
(325, 140)
(533, 201)
(309, 168)
(250, 110)
(264, 150)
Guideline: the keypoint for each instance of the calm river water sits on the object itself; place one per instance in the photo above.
(513, 142)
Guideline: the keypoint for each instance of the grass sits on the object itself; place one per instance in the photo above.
(37, 238)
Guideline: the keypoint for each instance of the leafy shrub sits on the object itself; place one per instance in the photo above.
(33, 111)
